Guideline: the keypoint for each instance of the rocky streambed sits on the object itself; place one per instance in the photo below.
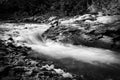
(19, 62)
(44, 51)
(101, 32)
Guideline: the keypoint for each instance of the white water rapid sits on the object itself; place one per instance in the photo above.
(80, 53)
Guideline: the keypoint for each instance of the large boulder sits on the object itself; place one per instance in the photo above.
(93, 35)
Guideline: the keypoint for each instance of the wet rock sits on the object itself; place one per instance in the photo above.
(67, 75)
(16, 65)
(88, 34)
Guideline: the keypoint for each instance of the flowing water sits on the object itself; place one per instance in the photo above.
(78, 59)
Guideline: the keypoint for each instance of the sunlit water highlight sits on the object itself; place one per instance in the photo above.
(80, 53)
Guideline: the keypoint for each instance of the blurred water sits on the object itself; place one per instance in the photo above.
(78, 59)
(80, 53)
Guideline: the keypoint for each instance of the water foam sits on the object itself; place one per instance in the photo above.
(80, 53)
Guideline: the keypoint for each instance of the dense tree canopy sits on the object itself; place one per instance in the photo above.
(65, 7)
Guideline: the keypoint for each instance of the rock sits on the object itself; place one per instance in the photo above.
(28, 73)
(59, 71)
(67, 75)
(100, 14)
(14, 64)
(33, 63)
(51, 67)
(108, 19)
(52, 18)
(89, 21)
(107, 39)
(88, 34)
(87, 17)
(64, 74)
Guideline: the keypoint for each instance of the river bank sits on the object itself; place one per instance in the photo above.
(49, 41)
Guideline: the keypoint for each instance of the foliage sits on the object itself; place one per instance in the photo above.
(65, 7)
(108, 7)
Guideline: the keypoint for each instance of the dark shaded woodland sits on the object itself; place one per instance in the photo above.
(15, 8)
